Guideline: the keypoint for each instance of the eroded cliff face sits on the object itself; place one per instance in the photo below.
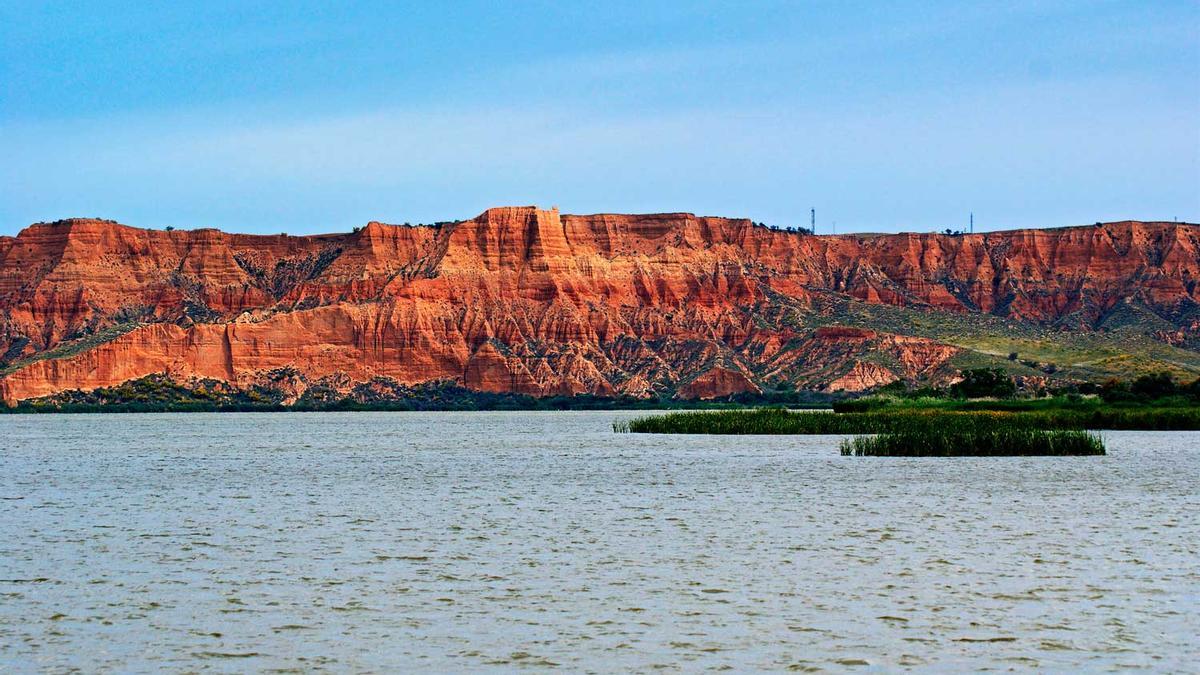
(531, 301)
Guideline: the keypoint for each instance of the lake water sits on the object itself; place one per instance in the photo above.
(467, 541)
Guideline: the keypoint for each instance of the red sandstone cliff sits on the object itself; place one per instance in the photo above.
(525, 300)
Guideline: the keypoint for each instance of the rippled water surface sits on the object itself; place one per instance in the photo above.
(461, 541)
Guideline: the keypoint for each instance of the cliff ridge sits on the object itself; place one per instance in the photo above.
(521, 299)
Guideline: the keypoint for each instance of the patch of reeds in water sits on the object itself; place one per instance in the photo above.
(899, 433)
(988, 442)
(775, 421)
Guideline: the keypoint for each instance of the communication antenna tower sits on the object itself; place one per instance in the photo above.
(813, 220)
(972, 222)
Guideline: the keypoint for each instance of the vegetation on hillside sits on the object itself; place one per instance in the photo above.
(160, 393)
(86, 340)
(991, 389)
(1122, 347)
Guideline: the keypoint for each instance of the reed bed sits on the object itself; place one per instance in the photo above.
(1132, 419)
(988, 442)
(776, 421)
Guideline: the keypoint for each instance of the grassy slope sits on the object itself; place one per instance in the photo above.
(1125, 351)
(69, 349)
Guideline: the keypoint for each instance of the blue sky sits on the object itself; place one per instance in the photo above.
(306, 117)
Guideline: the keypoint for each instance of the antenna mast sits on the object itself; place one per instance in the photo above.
(972, 222)
(813, 220)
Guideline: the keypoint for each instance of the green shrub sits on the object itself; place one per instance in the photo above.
(1154, 386)
(984, 382)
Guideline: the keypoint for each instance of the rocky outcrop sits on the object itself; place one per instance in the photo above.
(718, 383)
(850, 359)
(532, 301)
(861, 376)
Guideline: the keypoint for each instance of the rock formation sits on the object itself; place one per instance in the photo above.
(531, 301)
